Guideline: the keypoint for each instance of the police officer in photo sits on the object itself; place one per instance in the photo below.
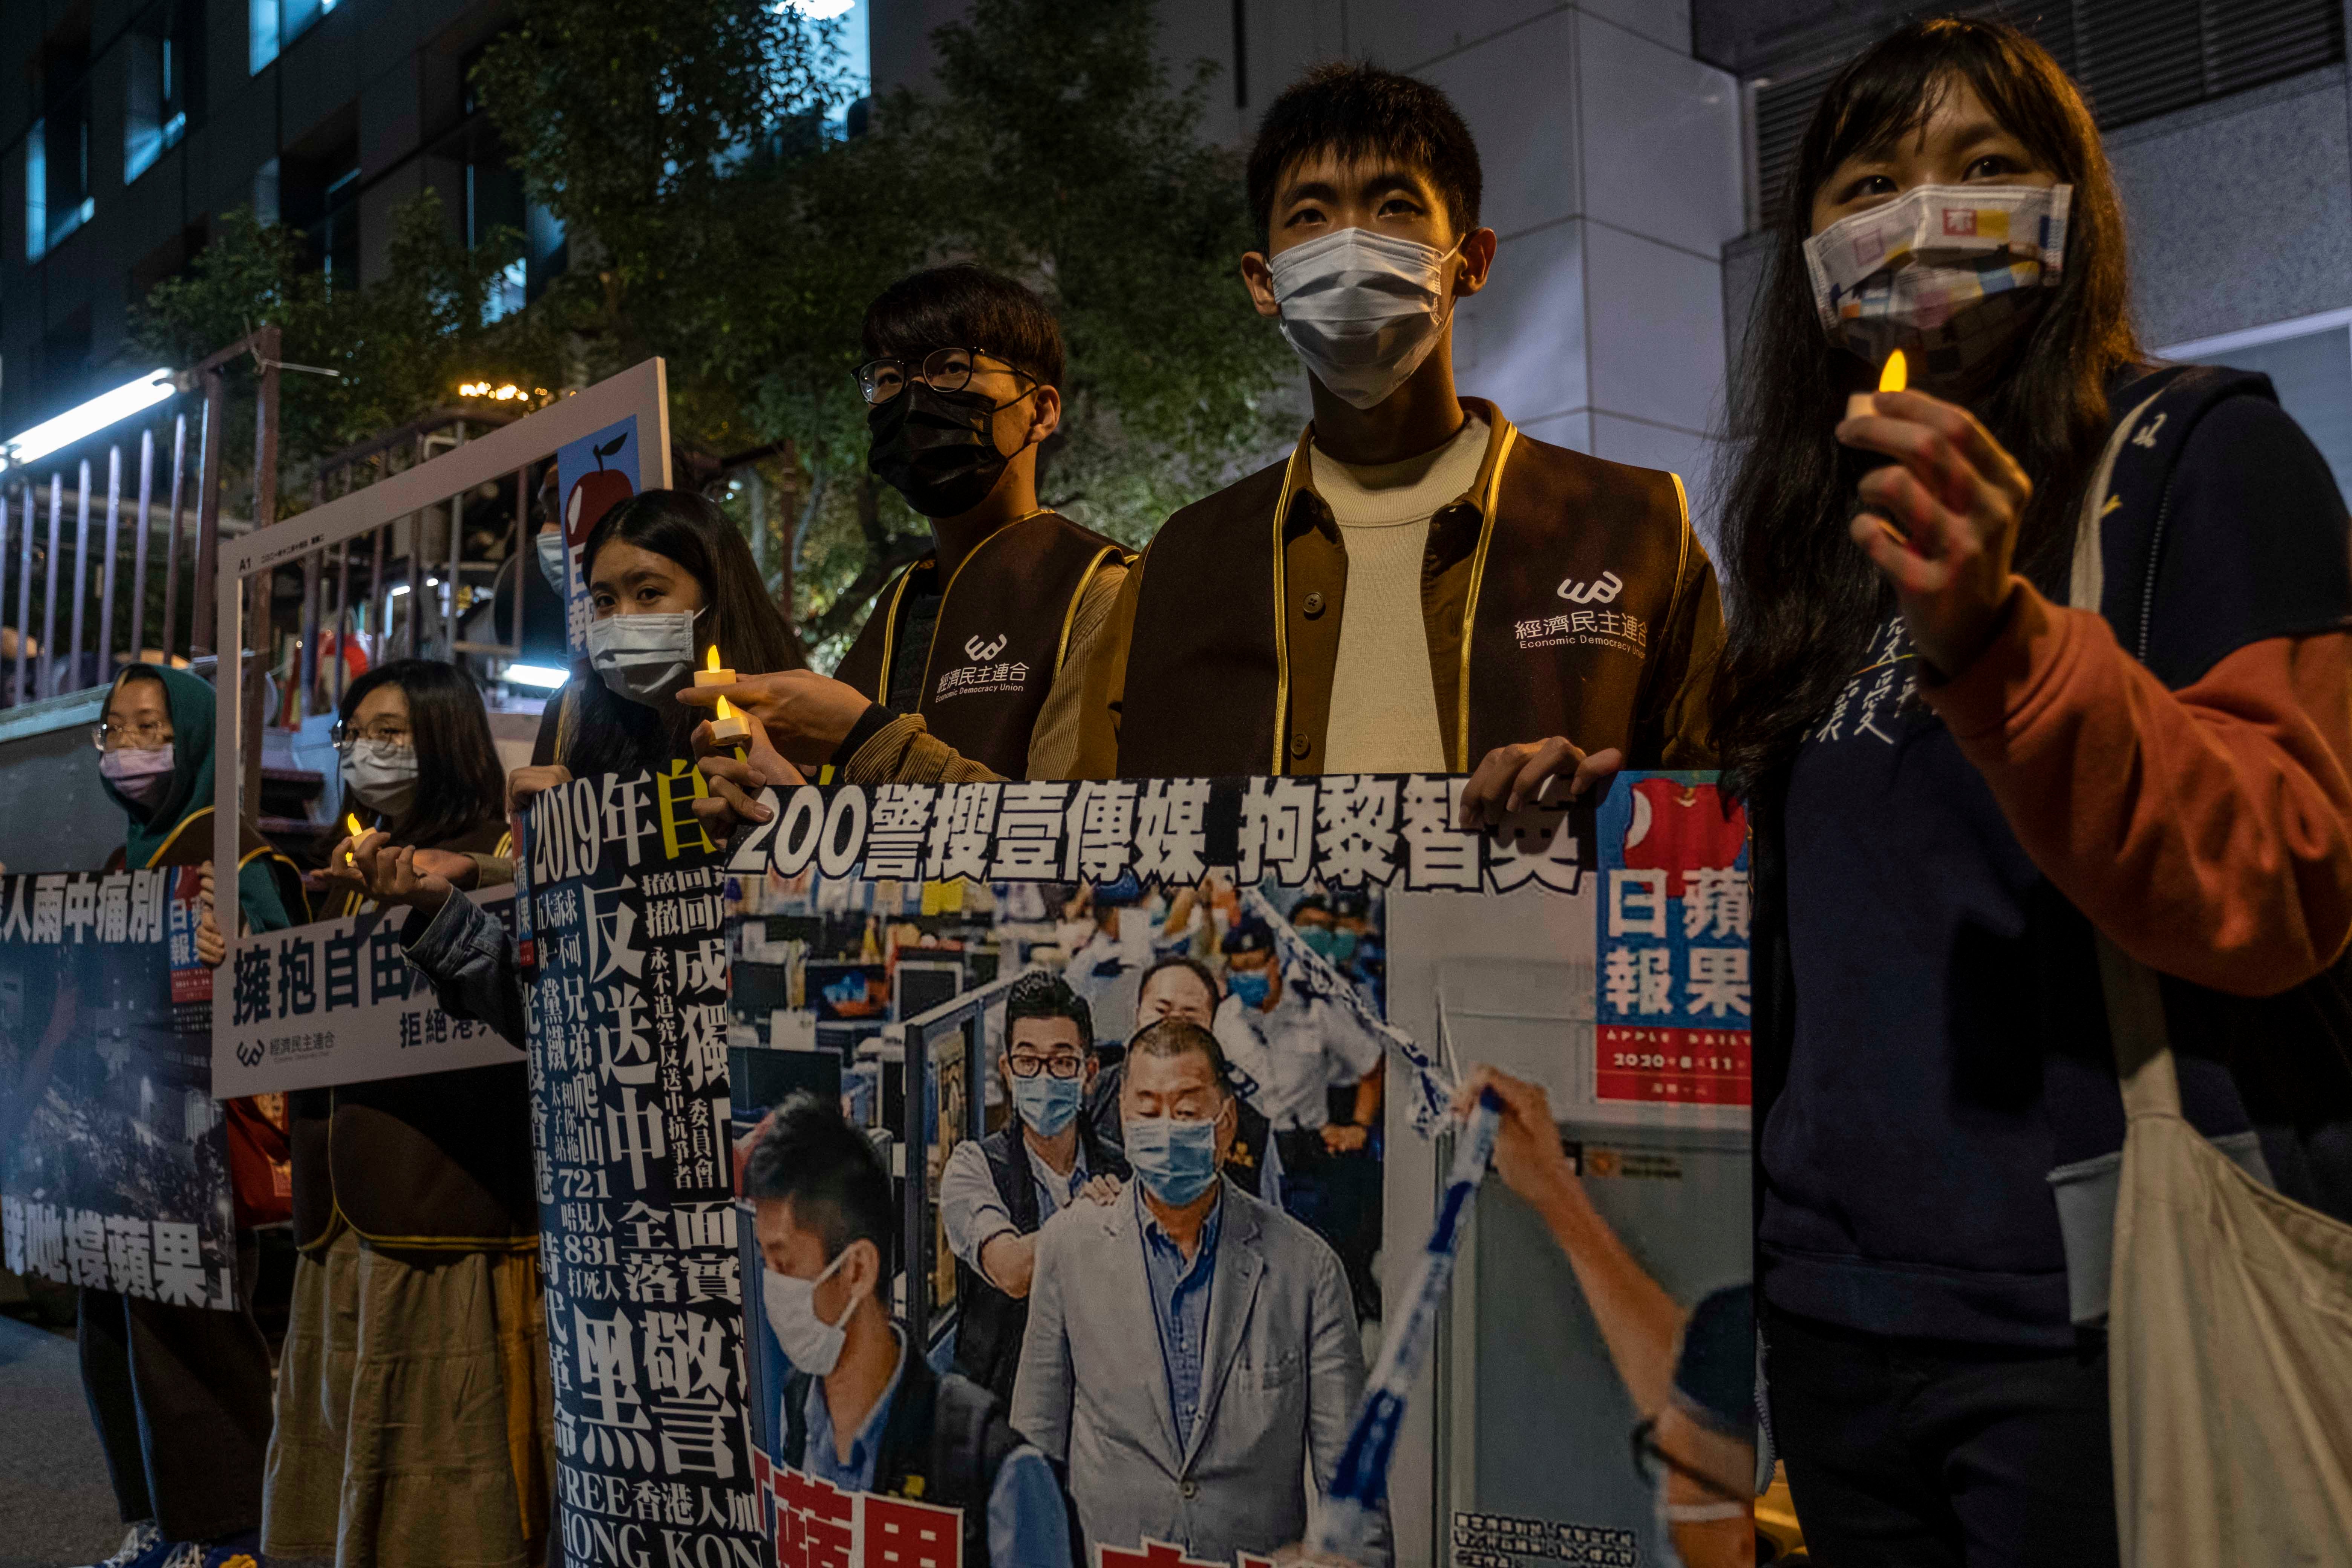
(1179, 987)
(862, 1411)
(1300, 1047)
(995, 1192)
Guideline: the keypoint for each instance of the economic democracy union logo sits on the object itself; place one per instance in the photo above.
(1602, 590)
(981, 652)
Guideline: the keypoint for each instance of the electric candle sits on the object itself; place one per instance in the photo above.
(351, 821)
(725, 727)
(1892, 378)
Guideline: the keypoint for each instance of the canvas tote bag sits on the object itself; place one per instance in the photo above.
(2230, 1320)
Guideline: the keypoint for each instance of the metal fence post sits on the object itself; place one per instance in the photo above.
(49, 589)
(106, 578)
(172, 540)
(202, 592)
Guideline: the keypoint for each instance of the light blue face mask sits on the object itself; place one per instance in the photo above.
(1177, 1161)
(550, 546)
(1250, 986)
(1045, 1102)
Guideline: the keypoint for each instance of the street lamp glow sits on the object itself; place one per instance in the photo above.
(96, 415)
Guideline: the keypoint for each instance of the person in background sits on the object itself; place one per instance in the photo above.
(1691, 1376)
(1966, 797)
(997, 1191)
(1183, 988)
(670, 578)
(180, 1394)
(416, 1350)
(1209, 1443)
(1307, 1054)
(862, 1410)
(1420, 587)
(971, 662)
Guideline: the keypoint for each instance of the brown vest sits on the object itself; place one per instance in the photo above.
(1564, 568)
(1002, 632)
(436, 1162)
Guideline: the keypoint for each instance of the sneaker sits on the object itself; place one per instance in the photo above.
(141, 1537)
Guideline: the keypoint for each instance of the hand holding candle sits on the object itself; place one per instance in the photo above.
(726, 729)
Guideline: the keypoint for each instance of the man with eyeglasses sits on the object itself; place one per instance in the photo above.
(995, 1193)
(971, 662)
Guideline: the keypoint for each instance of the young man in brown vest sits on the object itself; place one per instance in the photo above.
(1420, 587)
(978, 647)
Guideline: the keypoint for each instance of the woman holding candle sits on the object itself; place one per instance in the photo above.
(674, 589)
(1959, 787)
(414, 1424)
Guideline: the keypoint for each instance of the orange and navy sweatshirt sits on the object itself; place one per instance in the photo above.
(1931, 1033)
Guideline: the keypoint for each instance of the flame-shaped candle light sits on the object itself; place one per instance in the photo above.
(1893, 378)
(725, 727)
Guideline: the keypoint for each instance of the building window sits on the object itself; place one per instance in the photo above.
(56, 176)
(272, 25)
(318, 197)
(159, 51)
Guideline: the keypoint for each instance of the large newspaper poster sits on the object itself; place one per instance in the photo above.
(626, 1016)
(873, 934)
(116, 1155)
(335, 1002)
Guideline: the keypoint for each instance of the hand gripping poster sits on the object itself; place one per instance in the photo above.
(1124, 1220)
(625, 1007)
(116, 1171)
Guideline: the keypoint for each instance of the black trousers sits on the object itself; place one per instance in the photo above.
(1338, 1198)
(181, 1397)
(1926, 1454)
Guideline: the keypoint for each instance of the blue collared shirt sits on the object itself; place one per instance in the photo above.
(1027, 1522)
(1180, 1302)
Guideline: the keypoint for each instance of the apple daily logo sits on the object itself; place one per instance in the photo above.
(1602, 590)
(980, 652)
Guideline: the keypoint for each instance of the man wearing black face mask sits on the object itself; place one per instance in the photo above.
(972, 657)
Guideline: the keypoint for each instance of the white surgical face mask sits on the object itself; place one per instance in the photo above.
(383, 775)
(809, 1342)
(644, 658)
(1945, 273)
(1363, 310)
(552, 562)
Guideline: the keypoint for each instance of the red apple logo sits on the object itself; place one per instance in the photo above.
(1679, 826)
(596, 494)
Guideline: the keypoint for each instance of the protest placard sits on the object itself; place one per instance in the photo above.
(116, 1155)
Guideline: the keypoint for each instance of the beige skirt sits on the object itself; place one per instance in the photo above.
(414, 1423)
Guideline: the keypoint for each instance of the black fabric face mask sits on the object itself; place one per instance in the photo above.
(935, 449)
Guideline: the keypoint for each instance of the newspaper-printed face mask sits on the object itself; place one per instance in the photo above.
(1945, 273)
(1363, 310)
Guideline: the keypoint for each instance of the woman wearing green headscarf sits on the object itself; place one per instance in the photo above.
(180, 1394)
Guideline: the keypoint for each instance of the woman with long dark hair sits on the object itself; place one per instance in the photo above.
(670, 579)
(1963, 790)
(418, 1304)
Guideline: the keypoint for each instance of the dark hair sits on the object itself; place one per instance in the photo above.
(811, 1157)
(461, 783)
(1171, 1038)
(1802, 601)
(1039, 995)
(605, 734)
(1177, 961)
(965, 306)
(1352, 109)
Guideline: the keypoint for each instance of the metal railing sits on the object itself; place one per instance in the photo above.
(78, 573)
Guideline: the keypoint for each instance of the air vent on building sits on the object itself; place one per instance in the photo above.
(2134, 58)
